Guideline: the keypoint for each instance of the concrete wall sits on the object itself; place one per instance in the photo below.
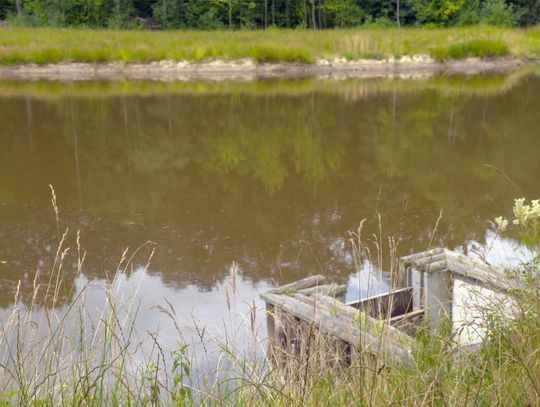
(432, 291)
(438, 298)
(473, 304)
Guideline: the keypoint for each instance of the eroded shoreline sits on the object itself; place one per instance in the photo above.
(248, 69)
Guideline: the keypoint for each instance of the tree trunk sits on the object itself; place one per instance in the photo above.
(313, 14)
(265, 14)
(241, 17)
(341, 14)
(166, 13)
(287, 21)
(230, 14)
(319, 14)
(397, 14)
(18, 5)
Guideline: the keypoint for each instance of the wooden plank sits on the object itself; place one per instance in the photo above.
(417, 260)
(332, 290)
(408, 323)
(429, 260)
(381, 306)
(342, 328)
(435, 259)
(491, 276)
(382, 295)
(270, 322)
(355, 316)
(412, 258)
(305, 299)
(301, 284)
(433, 266)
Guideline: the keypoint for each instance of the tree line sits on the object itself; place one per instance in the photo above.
(253, 14)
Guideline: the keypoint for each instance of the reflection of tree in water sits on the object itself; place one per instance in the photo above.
(272, 181)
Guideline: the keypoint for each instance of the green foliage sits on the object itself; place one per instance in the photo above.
(492, 12)
(437, 12)
(5, 6)
(122, 14)
(480, 48)
(169, 14)
(344, 13)
(204, 15)
(526, 222)
(212, 14)
(62, 13)
(7, 398)
(528, 11)
(181, 369)
(498, 12)
(470, 14)
(381, 22)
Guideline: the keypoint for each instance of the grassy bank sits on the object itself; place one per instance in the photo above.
(47, 45)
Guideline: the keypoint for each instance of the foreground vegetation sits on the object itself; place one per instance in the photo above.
(47, 45)
(60, 356)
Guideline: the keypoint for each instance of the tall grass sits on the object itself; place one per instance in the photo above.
(480, 48)
(57, 349)
(48, 45)
(54, 354)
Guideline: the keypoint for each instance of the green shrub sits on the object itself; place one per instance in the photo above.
(469, 14)
(491, 12)
(497, 12)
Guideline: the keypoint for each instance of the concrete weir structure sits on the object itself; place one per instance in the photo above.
(434, 287)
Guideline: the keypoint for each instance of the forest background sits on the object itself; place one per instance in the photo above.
(263, 14)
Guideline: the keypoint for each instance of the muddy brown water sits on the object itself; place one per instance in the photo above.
(269, 176)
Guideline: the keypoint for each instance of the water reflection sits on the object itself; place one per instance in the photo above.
(270, 179)
(186, 315)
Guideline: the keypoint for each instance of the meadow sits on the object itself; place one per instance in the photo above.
(20, 45)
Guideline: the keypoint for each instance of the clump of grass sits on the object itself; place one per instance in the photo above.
(480, 48)
(374, 55)
(279, 53)
(89, 54)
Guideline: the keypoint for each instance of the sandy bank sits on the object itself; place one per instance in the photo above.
(247, 69)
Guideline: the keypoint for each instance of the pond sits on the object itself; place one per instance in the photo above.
(238, 187)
